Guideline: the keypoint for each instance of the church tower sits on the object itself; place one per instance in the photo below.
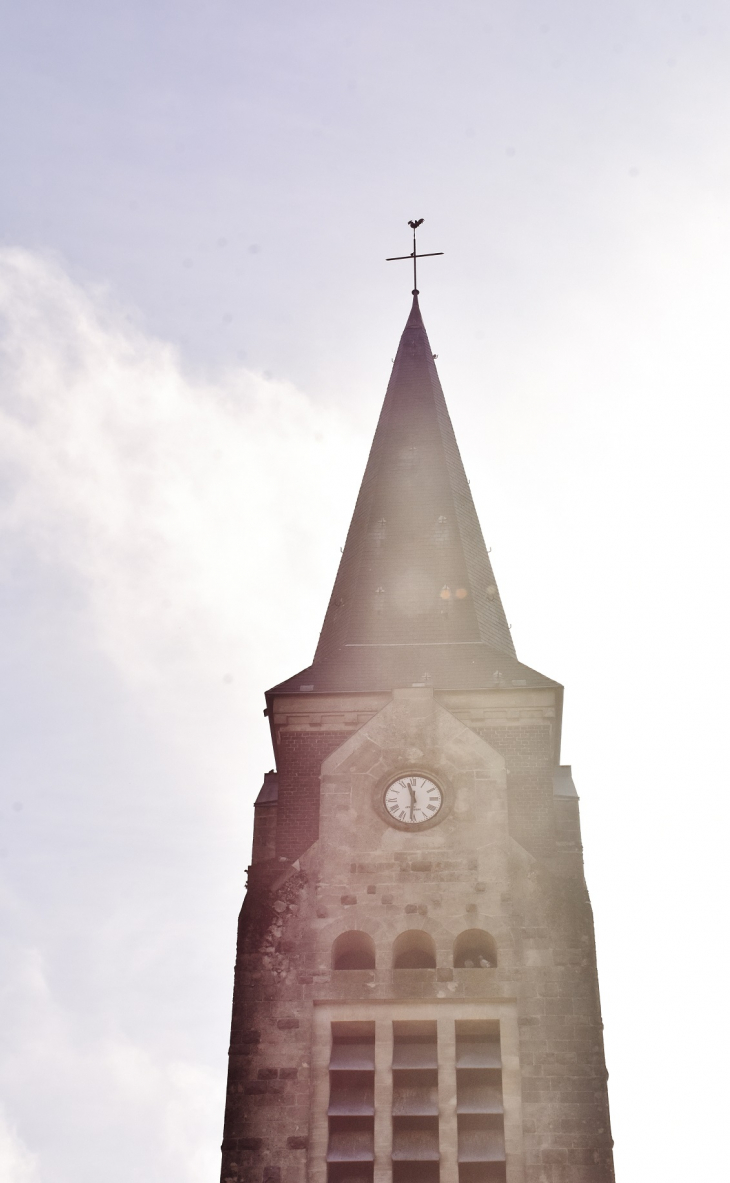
(416, 996)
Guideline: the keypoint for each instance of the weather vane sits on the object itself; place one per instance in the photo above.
(427, 255)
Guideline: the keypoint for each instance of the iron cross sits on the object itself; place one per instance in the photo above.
(427, 255)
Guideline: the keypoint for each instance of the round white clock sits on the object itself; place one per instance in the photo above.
(412, 800)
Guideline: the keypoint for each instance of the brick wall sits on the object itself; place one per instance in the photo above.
(528, 752)
(300, 756)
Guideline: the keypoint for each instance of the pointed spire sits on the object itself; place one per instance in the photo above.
(415, 572)
(415, 600)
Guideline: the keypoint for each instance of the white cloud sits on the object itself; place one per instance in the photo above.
(186, 510)
(17, 1164)
(185, 1097)
(184, 507)
(180, 511)
(136, 1098)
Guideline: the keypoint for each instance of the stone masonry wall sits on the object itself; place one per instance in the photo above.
(564, 1092)
(467, 872)
(267, 1101)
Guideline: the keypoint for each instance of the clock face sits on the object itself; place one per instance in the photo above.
(412, 800)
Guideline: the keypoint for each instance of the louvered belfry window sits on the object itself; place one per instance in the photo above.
(350, 1150)
(415, 1103)
(479, 1107)
(475, 1125)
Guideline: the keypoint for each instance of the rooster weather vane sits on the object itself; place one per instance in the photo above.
(427, 255)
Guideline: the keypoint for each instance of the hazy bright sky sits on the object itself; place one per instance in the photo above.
(196, 327)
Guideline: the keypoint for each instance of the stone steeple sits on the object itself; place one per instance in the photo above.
(416, 995)
(415, 598)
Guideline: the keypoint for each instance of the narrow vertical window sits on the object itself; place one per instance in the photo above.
(479, 1108)
(350, 1149)
(415, 1103)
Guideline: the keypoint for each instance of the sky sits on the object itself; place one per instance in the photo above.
(196, 329)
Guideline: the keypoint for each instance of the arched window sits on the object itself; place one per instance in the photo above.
(353, 950)
(475, 949)
(414, 950)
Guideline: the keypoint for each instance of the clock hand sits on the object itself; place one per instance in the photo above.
(412, 791)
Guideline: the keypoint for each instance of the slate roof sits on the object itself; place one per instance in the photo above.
(471, 666)
(415, 599)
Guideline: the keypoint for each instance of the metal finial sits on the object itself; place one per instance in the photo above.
(427, 255)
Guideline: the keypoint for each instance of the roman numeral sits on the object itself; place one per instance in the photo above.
(432, 808)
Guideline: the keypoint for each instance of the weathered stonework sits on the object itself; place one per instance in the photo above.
(416, 1005)
(468, 872)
